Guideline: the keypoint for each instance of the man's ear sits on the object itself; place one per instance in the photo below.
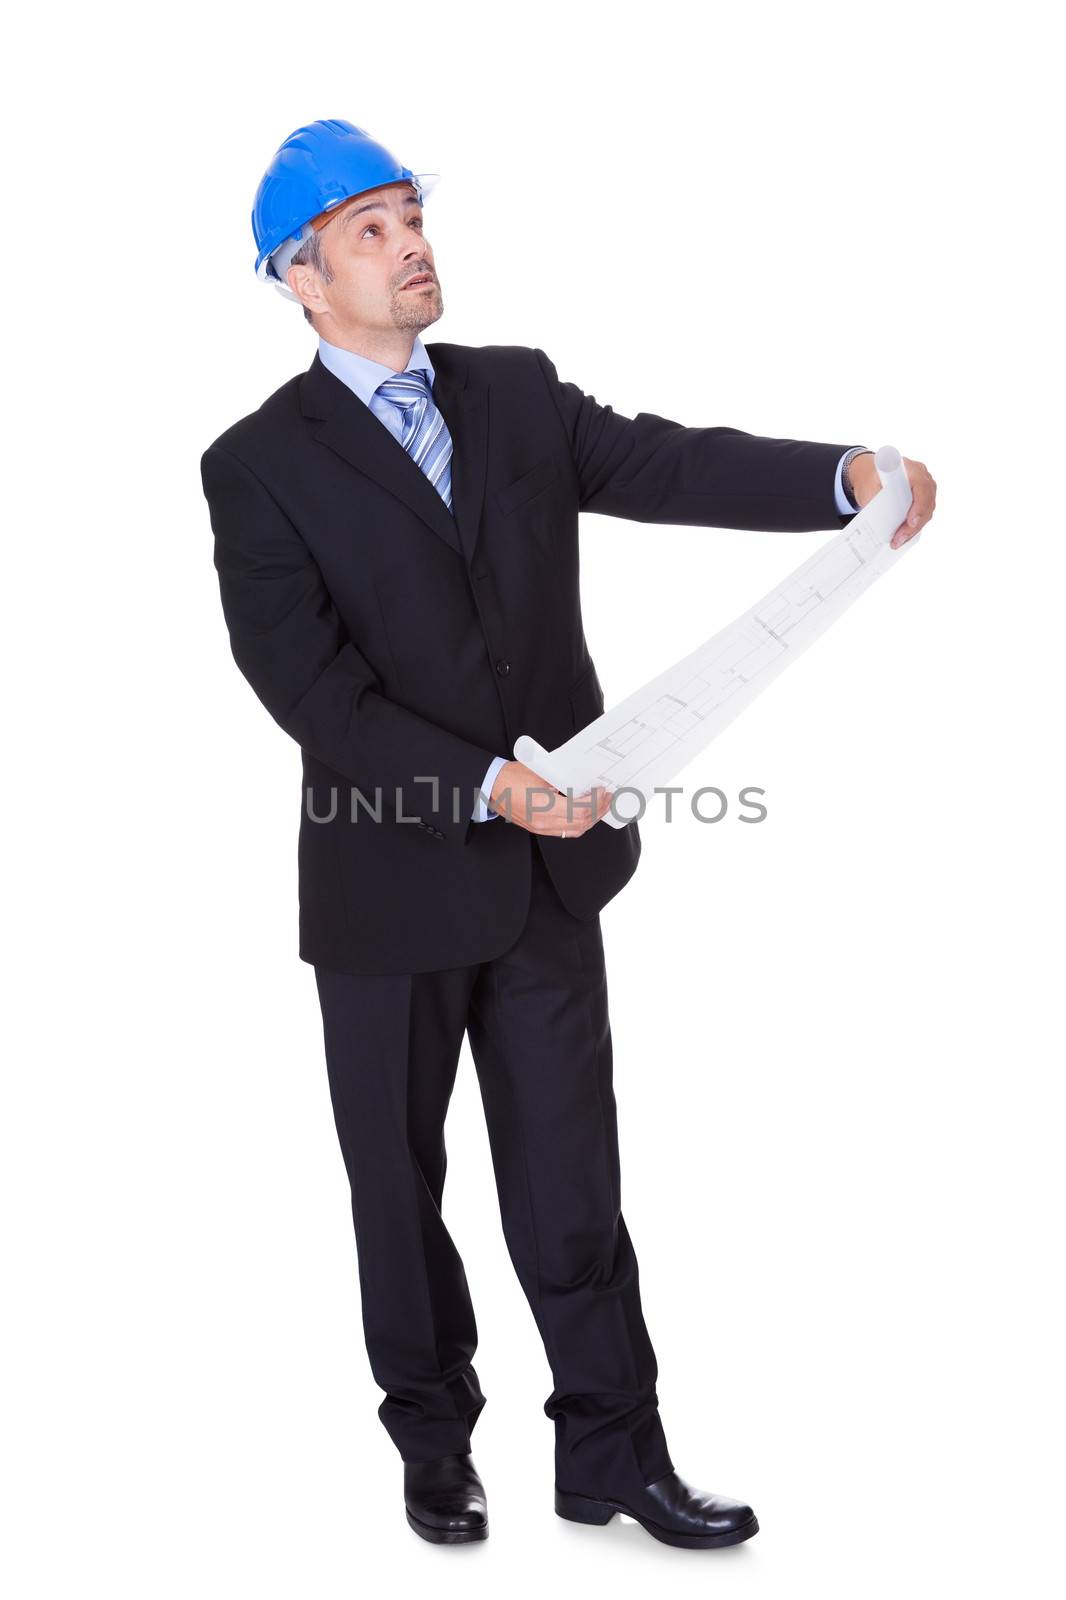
(303, 281)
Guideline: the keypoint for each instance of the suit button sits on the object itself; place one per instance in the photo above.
(503, 668)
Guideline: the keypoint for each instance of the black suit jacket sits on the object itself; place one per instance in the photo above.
(399, 643)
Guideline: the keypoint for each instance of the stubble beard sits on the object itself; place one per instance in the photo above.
(425, 308)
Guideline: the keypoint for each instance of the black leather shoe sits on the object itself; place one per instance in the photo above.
(671, 1510)
(445, 1500)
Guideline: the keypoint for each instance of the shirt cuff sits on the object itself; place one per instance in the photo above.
(845, 506)
(482, 811)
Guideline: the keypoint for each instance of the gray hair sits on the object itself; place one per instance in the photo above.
(311, 254)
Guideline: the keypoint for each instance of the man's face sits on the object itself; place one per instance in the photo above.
(373, 246)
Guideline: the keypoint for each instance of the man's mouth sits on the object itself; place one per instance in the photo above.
(423, 277)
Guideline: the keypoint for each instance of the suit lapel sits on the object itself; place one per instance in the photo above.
(345, 425)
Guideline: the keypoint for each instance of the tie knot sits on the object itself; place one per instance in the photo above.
(405, 388)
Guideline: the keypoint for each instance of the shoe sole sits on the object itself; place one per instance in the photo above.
(446, 1535)
(580, 1508)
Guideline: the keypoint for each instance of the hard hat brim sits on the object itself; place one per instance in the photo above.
(272, 267)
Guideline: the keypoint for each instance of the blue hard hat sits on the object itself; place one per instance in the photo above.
(319, 167)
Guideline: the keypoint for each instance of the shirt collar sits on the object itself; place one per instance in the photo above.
(363, 375)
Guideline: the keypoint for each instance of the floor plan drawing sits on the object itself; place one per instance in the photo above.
(645, 740)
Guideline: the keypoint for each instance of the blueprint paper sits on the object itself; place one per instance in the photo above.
(645, 740)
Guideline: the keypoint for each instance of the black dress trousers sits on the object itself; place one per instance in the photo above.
(541, 1043)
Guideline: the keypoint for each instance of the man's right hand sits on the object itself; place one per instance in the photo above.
(521, 795)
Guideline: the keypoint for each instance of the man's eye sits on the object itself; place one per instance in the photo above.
(372, 227)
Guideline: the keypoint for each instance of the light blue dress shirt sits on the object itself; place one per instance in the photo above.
(363, 377)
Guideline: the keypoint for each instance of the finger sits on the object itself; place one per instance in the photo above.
(923, 496)
(582, 812)
(555, 823)
(605, 796)
(582, 815)
(916, 518)
(572, 816)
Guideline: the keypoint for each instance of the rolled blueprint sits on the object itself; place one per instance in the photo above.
(645, 740)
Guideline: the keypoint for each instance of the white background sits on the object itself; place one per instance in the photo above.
(836, 1034)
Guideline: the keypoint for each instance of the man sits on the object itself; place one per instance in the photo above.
(396, 539)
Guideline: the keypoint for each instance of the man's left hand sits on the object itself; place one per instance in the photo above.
(866, 482)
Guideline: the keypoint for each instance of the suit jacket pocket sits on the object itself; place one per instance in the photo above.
(531, 483)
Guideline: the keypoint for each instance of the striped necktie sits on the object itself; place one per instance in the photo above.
(424, 437)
